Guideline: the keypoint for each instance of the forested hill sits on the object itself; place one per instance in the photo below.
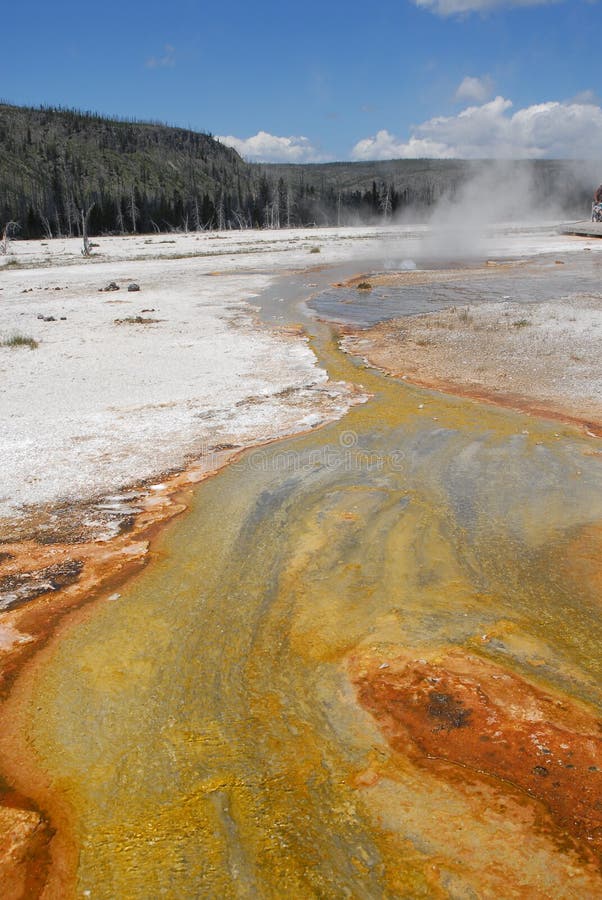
(411, 187)
(54, 163)
(58, 165)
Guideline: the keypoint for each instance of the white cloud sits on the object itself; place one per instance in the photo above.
(167, 60)
(490, 131)
(586, 98)
(457, 7)
(475, 89)
(265, 147)
(386, 146)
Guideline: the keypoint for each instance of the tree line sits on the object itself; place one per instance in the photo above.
(59, 167)
(71, 173)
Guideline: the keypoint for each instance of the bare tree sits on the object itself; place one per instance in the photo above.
(240, 220)
(45, 225)
(196, 216)
(85, 218)
(133, 210)
(221, 212)
(120, 222)
(57, 220)
(9, 229)
(71, 211)
(385, 202)
(198, 223)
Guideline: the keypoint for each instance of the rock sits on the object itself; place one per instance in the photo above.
(111, 286)
(133, 286)
(23, 840)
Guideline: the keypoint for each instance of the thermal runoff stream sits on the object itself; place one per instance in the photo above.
(364, 664)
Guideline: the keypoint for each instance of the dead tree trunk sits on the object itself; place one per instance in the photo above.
(133, 210)
(240, 220)
(196, 218)
(70, 209)
(9, 229)
(45, 225)
(120, 222)
(221, 213)
(85, 216)
(385, 202)
(289, 206)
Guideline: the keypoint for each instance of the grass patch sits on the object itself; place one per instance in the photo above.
(11, 264)
(364, 286)
(464, 316)
(314, 250)
(521, 323)
(20, 340)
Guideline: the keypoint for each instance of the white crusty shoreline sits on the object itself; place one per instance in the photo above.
(99, 406)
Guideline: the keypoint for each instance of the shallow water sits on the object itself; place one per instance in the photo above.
(546, 281)
(205, 728)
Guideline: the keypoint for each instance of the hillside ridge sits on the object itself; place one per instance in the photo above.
(60, 165)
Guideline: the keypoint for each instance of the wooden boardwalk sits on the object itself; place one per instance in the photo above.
(583, 229)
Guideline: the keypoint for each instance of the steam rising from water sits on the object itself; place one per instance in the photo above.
(501, 193)
(472, 210)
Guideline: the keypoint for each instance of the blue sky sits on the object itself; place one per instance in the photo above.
(325, 80)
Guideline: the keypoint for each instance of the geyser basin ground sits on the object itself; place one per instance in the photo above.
(365, 663)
